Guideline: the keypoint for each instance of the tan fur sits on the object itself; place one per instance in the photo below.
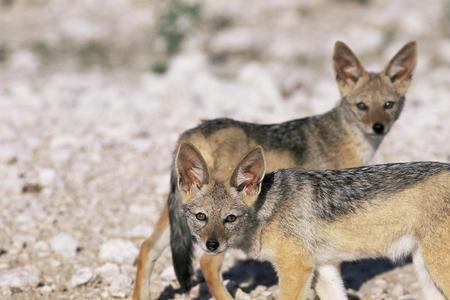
(291, 260)
(144, 263)
(435, 249)
(345, 152)
(229, 144)
(212, 264)
(408, 212)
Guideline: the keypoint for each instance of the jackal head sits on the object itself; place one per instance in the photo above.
(219, 214)
(376, 99)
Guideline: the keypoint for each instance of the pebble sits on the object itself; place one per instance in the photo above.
(8, 154)
(81, 276)
(240, 294)
(259, 79)
(397, 290)
(168, 273)
(139, 231)
(64, 244)
(47, 177)
(23, 240)
(119, 281)
(381, 283)
(236, 40)
(19, 277)
(120, 287)
(41, 247)
(119, 251)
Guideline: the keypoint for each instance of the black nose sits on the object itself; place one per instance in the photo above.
(212, 244)
(378, 128)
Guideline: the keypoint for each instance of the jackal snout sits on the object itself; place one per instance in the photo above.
(210, 241)
(212, 244)
(378, 128)
(376, 99)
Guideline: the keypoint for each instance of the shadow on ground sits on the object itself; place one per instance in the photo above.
(248, 274)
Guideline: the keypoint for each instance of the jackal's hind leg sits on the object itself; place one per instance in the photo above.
(149, 253)
(433, 259)
(429, 289)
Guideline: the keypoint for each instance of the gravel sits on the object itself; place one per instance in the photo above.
(87, 130)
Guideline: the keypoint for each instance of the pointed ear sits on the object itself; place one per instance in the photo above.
(401, 67)
(191, 168)
(249, 172)
(347, 67)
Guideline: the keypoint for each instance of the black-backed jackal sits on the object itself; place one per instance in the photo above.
(346, 136)
(305, 220)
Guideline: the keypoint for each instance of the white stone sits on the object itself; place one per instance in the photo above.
(24, 61)
(64, 244)
(258, 78)
(398, 290)
(121, 286)
(443, 50)
(168, 273)
(142, 209)
(236, 40)
(47, 289)
(47, 176)
(118, 251)
(139, 231)
(240, 294)
(119, 281)
(81, 276)
(8, 153)
(187, 64)
(381, 283)
(19, 277)
(24, 217)
(81, 30)
(107, 270)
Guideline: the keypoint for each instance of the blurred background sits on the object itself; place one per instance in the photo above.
(93, 95)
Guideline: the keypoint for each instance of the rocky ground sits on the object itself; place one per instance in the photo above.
(93, 97)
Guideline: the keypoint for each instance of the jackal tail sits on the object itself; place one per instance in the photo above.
(180, 239)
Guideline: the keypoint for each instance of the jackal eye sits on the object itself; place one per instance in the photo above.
(388, 104)
(200, 216)
(361, 106)
(230, 218)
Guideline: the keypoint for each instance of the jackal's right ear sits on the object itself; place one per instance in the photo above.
(401, 67)
(191, 168)
(347, 67)
(248, 175)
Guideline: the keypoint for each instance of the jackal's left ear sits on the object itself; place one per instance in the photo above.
(248, 175)
(191, 168)
(347, 67)
(401, 67)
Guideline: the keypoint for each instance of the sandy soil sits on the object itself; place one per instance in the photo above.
(93, 97)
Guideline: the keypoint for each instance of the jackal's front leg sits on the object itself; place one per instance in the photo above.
(294, 282)
(294, 273)
(329, 283)
(210, 265)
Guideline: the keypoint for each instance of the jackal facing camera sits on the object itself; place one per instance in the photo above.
(306, 220)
